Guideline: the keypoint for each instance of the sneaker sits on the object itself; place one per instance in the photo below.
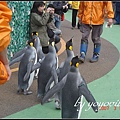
(82, 57)
(94, 58)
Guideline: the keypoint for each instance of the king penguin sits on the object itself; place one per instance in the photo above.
(27, 60)
(25, 77)
(64, 68)
(72, 87)
(38, 46)
(47, 69)
(36, 42)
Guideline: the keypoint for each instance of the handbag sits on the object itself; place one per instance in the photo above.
(3, 74)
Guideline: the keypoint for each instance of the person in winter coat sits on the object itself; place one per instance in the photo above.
(51, 25)
(75, 7)
(52, 29)
(5, 30)
(91, 19)
(60, 7)
(117, 13)
(38, 23)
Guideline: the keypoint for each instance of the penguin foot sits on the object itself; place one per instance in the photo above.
(40, 97)
(57, 105)
(35, 77)
(49, 100)
(96, 110)
(20, 91)
(26, 92)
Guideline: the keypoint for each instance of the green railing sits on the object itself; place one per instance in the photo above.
(19, 25)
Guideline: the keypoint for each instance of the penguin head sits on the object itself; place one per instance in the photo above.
(30, 42)
(69, 45)
(33, 39)
(35, 33)
(75, 62)
(51, 42)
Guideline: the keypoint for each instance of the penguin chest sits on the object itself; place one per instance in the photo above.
(36, 56)
(70, 93)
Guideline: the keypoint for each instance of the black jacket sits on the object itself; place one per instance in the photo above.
(59, 7)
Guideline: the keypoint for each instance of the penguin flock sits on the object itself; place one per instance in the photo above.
(63, 81)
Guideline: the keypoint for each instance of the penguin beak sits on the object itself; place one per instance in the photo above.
(70, 48)
(77, 65)
(31, 44)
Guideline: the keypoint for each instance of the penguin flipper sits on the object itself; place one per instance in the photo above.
(53, 77)
(83, 90)
(56, 88)
(60, 67)
(49, 83)
(19, 53)
(16, 59)
(36, 66)
(62, 64)
(54, 74)
(40, 54)
(29, 67)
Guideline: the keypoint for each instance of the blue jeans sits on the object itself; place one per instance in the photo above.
(57, 21)
(57, 31)
(117, 17)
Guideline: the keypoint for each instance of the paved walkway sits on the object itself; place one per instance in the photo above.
(102, 78)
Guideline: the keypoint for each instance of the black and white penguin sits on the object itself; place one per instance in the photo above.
(27, 60)
(64, 68)
(72, 87)
(38, 47)
(36, 42)
(47, 69)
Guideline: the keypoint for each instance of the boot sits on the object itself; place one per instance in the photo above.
(83, 50)
(96, 53)
(78, 25)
